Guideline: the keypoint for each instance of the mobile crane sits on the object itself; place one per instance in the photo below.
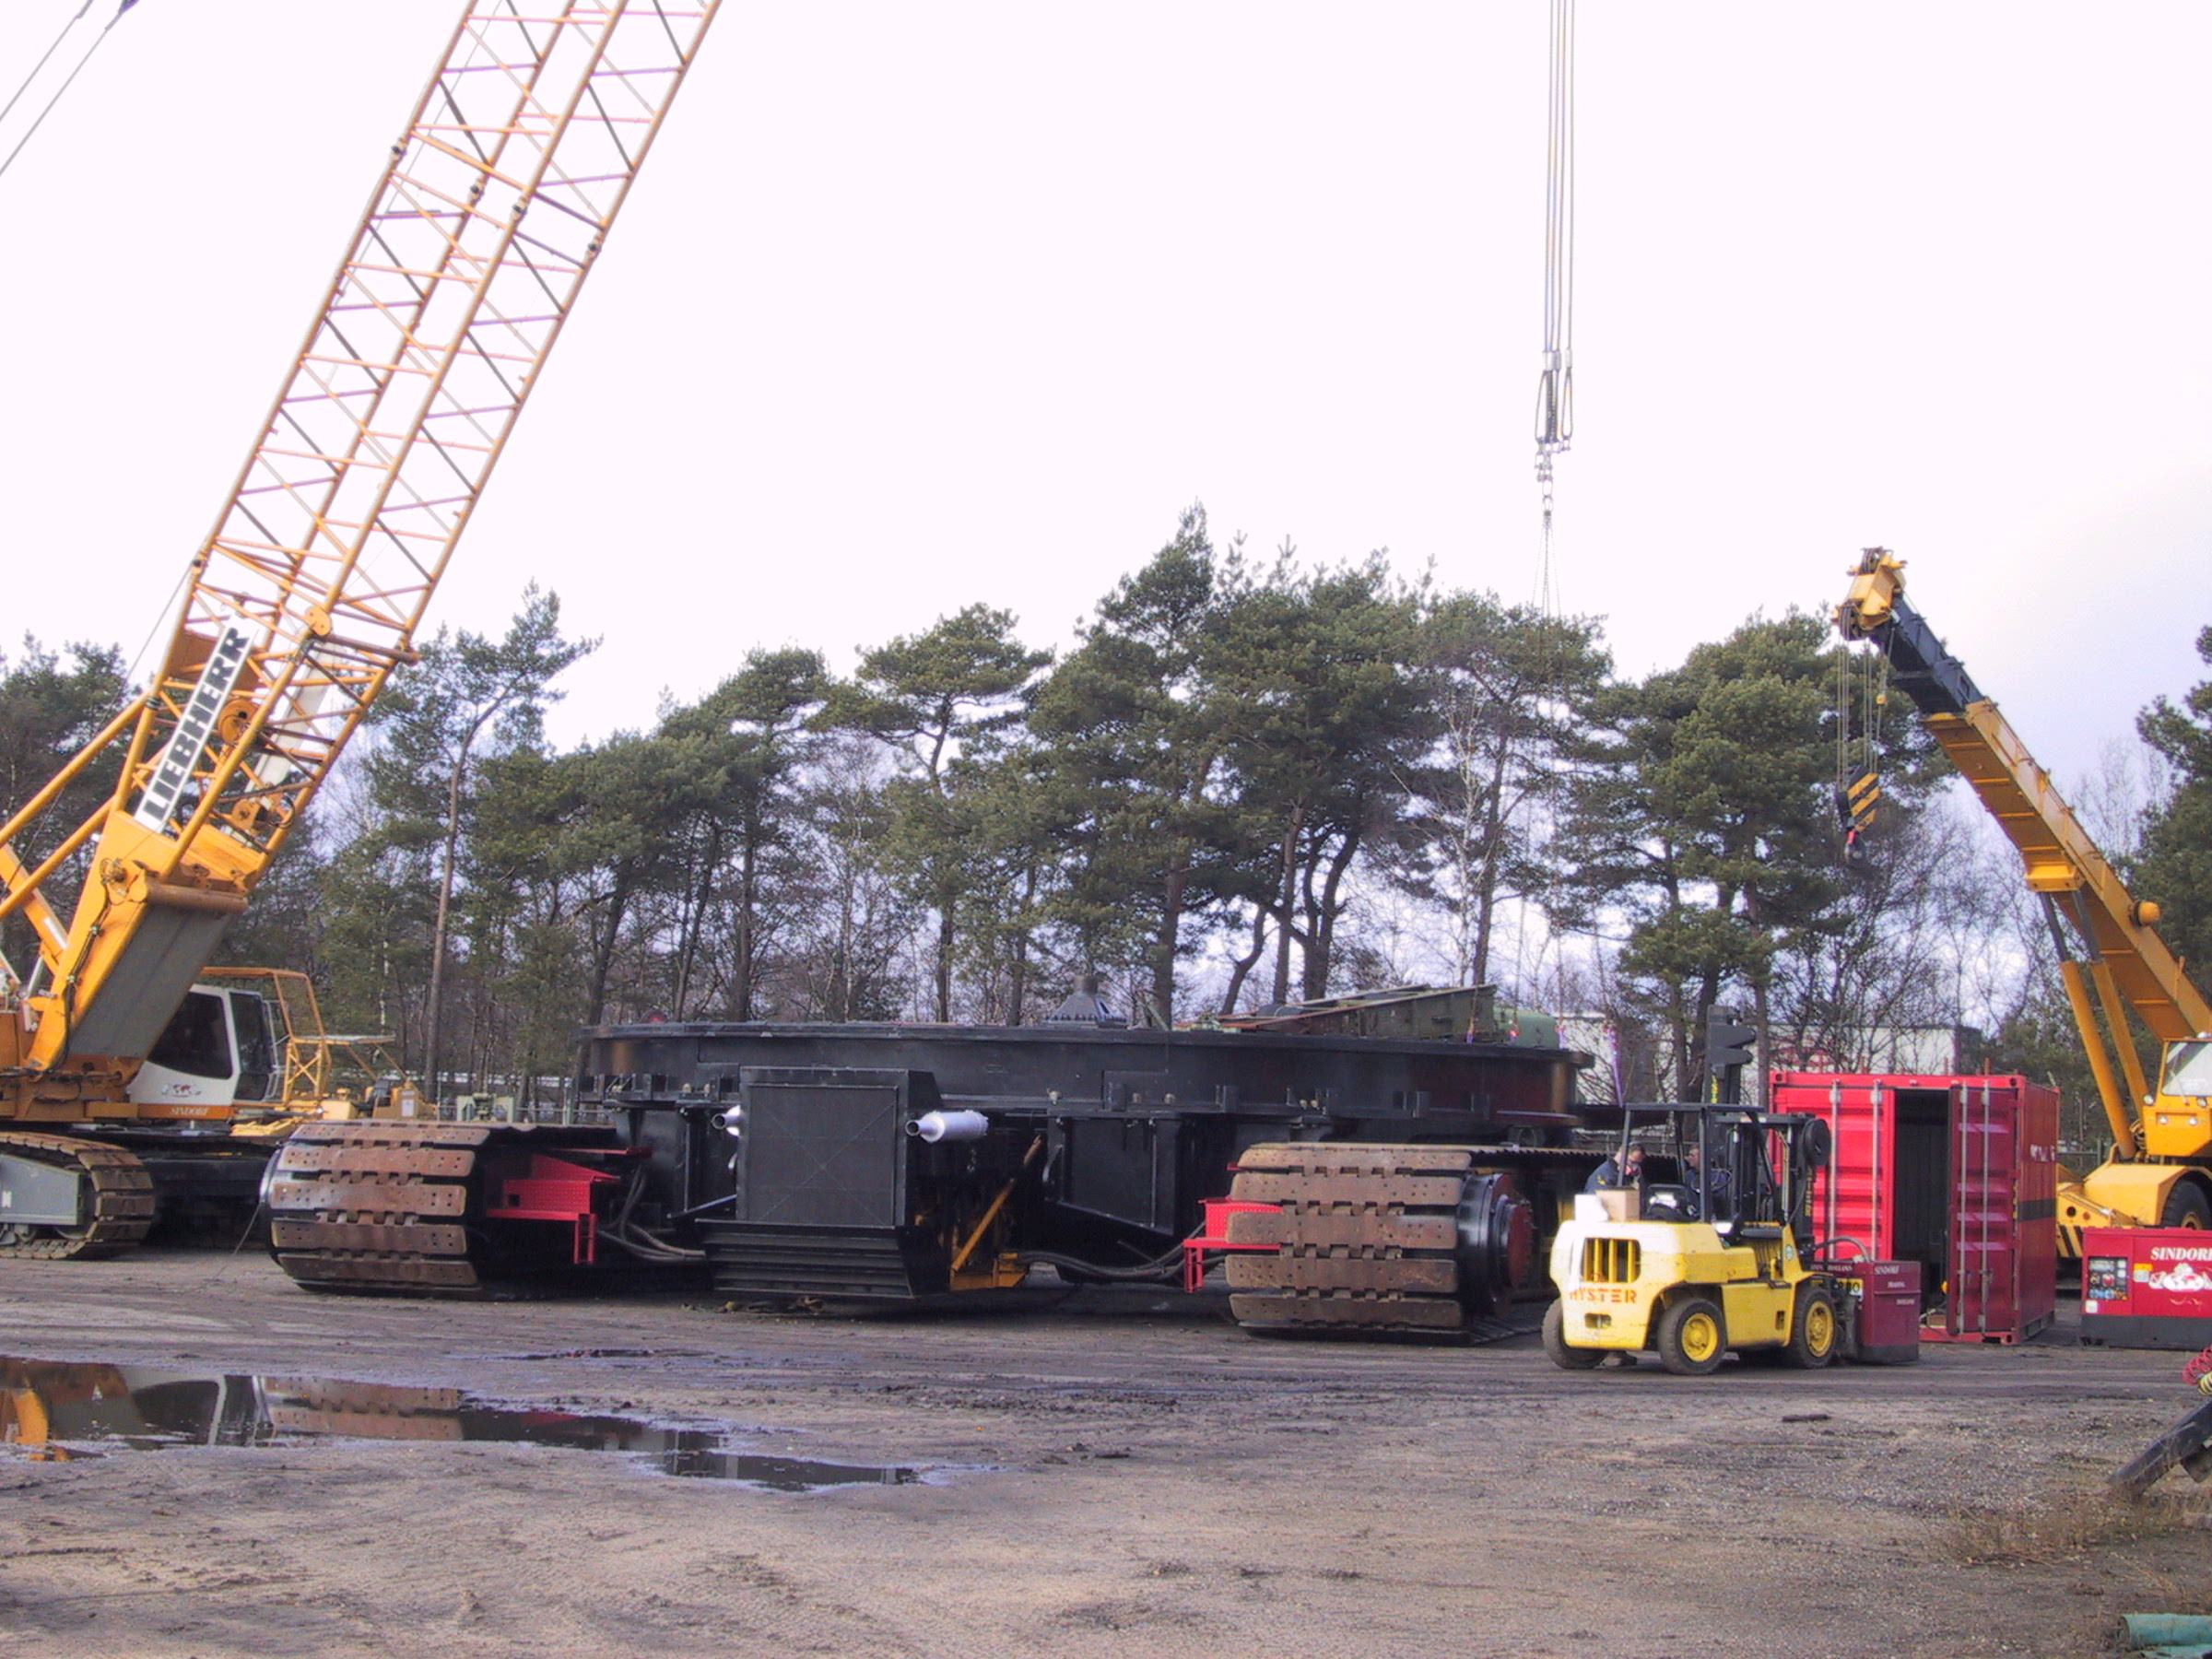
(492, 208)
(2111, 957)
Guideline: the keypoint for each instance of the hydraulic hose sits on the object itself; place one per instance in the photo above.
(1159, 1268)
(620, 1233)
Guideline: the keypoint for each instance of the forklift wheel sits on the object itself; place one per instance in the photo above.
(1693, 1339)
(1813, 1330)
(1554, 1343)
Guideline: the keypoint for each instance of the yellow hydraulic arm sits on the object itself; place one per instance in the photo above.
(492, 208)
(2115, 960)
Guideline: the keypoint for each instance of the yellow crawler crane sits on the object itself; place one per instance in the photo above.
(2111, 957)
(1702, 1253)
(493, 205)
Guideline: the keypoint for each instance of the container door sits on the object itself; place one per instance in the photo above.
(256, 1045)
(2037, 1209)
(1918, 1196)
(1850, 1197)
(1983, 1266)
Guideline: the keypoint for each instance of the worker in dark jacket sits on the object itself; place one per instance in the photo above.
(1715, 1187)
(1622, 1170)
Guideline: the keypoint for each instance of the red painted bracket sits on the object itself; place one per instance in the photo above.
(546, 1188)
(1213, 1238)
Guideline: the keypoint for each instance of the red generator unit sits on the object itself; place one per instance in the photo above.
(2147, 1287)
(1885, 1327)
(1959, 1174)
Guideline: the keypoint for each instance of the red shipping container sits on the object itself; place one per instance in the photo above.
(2147, 1287)
(1959, 1174)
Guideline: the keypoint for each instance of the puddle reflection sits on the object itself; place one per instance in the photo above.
(54, 1410)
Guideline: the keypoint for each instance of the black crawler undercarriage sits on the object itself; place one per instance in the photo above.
(1374, 1183)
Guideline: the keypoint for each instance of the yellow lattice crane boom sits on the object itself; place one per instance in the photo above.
(493, 206)
(2112, 959)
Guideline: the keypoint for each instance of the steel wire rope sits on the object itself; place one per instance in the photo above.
(39, 69)
(8, 108)
(1555, 385)
(1555, 415)
(66, 84)
(1862, 697)
(164, 624)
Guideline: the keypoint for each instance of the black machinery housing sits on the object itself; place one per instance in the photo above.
(786, 1151)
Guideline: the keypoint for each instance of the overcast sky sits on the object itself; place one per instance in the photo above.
(918, 304)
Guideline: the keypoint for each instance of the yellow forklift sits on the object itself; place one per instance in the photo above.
(1701, 1246)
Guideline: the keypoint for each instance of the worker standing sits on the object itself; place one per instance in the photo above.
(1622, 1170)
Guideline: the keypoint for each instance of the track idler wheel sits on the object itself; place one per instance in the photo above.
(1497, 1243)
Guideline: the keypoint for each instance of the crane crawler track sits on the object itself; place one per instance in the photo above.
(123, 1199)
(399, 1207)
(1375, 1238)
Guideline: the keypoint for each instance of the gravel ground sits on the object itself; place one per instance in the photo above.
(1118, 1475)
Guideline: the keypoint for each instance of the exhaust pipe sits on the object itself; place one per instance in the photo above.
(934, 1126)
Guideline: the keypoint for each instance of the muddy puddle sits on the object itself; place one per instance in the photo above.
(56, 1410)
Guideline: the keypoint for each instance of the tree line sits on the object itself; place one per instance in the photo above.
(1248, 780)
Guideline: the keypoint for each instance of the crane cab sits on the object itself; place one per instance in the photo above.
(2178, 1123)
(218, 1052)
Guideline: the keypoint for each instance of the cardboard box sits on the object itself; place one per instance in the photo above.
(1620, 1204)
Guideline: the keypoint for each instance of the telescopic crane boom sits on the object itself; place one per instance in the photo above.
(2111, 957)
(493, 206)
